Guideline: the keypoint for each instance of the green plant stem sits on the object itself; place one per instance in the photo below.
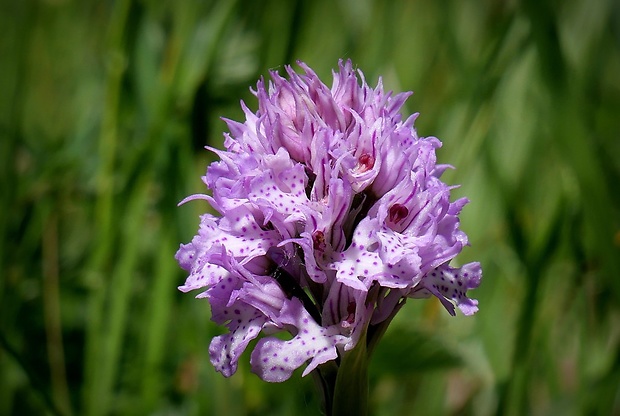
(351, 389)
(325, 379)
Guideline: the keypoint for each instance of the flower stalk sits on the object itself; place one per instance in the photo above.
(351, 389)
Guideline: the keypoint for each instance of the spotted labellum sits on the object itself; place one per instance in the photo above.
(331, 214)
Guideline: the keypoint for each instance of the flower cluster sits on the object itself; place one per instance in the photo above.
(332, 214)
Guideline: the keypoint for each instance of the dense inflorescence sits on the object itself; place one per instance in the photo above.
(331, 214)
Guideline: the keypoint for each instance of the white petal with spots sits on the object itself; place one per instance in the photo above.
(275, 360)
(450, 285)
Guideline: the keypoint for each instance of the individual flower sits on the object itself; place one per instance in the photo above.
(331, 215)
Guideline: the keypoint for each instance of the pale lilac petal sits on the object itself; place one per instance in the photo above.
(275, 359)
(377, 255)
(226, 349)
(348, 309)
(451, 284)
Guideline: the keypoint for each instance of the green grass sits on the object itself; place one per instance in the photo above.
(104, 111)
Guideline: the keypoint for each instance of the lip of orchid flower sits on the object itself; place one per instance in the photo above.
(332, 214)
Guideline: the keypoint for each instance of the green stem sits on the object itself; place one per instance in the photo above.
(325, 379)
(351, 390)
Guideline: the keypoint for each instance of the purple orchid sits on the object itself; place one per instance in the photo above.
(332, 214)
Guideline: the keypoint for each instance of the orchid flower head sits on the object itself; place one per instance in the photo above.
(331, 213)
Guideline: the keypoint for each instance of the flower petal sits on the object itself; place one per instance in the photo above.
(275, 360)
(448, 283)
(225, 350)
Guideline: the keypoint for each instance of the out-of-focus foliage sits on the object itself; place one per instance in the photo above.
(104, 111)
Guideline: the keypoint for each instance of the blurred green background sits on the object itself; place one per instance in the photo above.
(105, 107)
